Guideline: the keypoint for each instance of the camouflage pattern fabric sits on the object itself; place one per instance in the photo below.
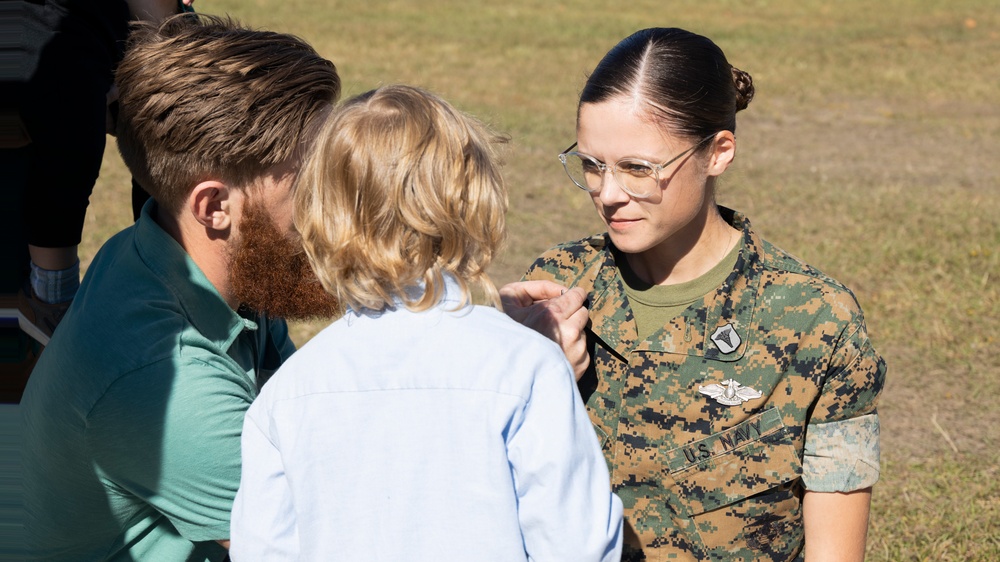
(715, 425)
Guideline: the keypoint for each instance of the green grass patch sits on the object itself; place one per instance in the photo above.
(937, 509)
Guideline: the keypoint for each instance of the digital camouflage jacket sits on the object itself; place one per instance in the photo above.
(715, 425)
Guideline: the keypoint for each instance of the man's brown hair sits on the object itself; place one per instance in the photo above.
(203, 97)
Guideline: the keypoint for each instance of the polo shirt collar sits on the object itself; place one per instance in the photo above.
(201, 302)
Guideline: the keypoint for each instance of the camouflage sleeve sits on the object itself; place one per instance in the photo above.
(538, 271)
(562, 264)
(842, 456)
(842, 437)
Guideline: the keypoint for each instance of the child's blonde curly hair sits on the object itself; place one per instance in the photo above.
(400, 189)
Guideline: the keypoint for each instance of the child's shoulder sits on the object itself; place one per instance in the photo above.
(515, 342)
(490, 319)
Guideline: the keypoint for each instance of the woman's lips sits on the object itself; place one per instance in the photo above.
(620, 223)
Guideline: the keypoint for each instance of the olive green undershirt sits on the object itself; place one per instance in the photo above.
(655, 305)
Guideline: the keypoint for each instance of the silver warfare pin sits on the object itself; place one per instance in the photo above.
(726, 338)
(730, 392)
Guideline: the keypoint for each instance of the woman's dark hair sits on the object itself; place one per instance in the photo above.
(683, 78)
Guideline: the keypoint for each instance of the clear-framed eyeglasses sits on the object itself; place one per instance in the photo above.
(639, 178)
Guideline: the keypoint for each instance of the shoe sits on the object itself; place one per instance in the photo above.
(42, 316)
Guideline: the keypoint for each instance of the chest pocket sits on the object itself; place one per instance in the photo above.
(741, 488)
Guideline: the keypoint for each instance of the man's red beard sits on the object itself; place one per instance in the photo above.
(271, 274)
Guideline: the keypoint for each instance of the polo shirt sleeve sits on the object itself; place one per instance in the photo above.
(169, 433)
(565, 505)
(841, 452)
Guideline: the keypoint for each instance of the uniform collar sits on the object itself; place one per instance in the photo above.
(201, 302)
(610, 318)
(732, 304)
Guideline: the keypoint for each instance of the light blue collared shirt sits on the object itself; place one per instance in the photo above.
(440, 435)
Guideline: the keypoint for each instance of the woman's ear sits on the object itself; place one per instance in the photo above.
(722, 152)
(210, 203)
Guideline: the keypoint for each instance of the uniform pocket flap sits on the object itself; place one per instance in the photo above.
(731, 465)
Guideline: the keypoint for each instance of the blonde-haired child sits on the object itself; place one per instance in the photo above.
(419, 426)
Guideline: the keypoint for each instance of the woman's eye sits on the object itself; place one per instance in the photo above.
(635, 169)
(590, 167)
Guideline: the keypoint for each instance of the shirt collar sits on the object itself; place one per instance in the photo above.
(451, 298)
(732, 303)
(201, 302)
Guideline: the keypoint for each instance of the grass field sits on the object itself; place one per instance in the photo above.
(871, 151)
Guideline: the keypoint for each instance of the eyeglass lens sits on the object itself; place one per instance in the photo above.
(635, 177)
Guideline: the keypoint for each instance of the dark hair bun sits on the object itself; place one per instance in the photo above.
(744, 88)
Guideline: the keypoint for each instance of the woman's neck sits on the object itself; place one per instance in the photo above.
(688, 254)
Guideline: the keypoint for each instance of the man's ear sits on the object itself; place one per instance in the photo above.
(723, 152)
(210, 203)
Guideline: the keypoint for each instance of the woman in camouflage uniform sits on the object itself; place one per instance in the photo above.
(733, 386)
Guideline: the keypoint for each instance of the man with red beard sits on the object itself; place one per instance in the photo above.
(132, 416)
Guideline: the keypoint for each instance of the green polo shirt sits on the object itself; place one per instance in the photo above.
(132, 416)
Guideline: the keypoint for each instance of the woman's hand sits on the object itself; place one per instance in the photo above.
(553, 311)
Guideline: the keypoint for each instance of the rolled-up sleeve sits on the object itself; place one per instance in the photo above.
(841, 452)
